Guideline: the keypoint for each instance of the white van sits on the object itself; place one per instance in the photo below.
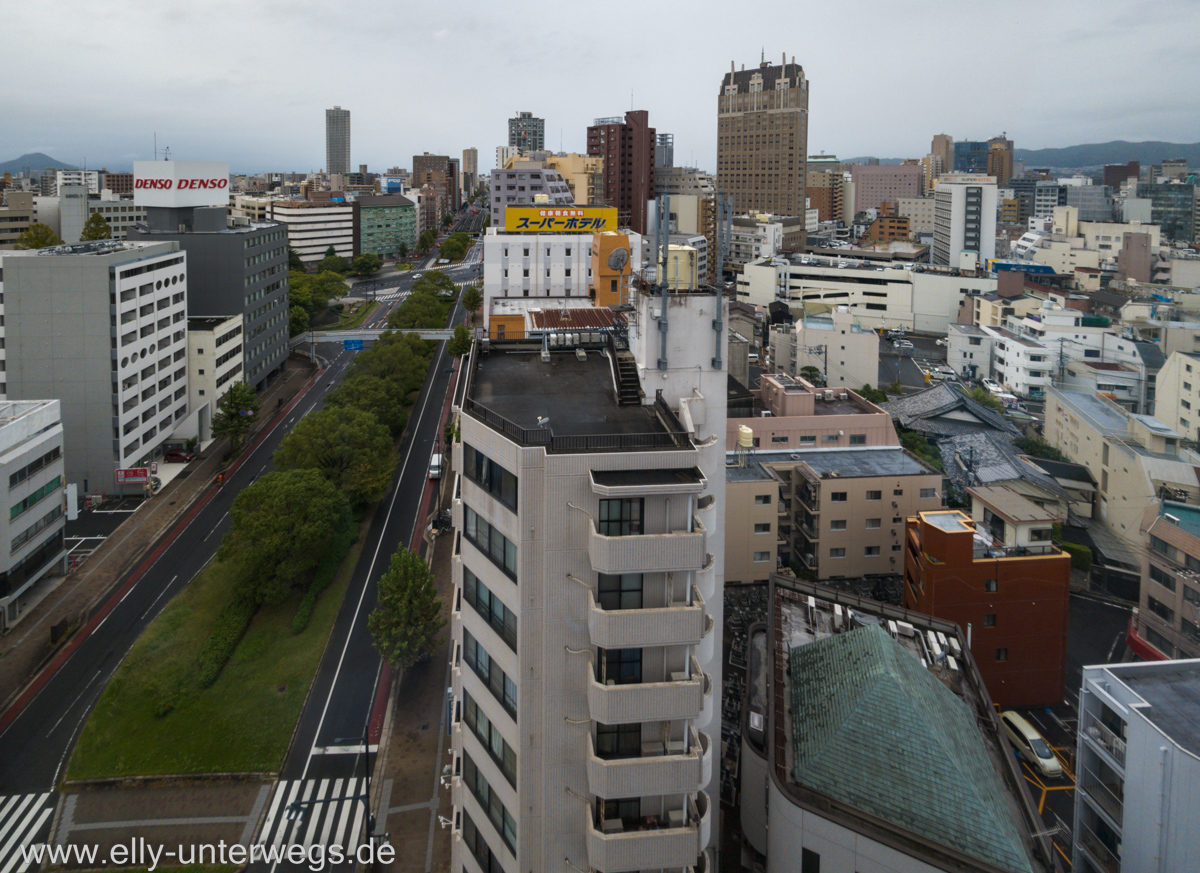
(435, 467)
(1030, 744)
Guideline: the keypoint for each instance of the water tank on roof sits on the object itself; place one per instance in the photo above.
(745, 437)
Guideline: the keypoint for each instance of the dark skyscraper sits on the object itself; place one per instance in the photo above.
(527, 133)
(627, 146)
(337, 140)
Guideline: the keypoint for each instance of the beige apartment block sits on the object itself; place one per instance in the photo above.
(840, 512)
(1177, 395)
(584, 174)
(790, 413)
(844, 351)
(1169, 608)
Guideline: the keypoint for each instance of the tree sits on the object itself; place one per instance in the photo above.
(420, 310)
(37, 236)
(472, 300)
(282, 528)
(460, 343)
(96, 227)
(402, 359)
(812, 374)
(294, 262)
(452, 249)
(872, 395)
(333, 264)
(330, 252)
(447, 220)
(981, 395)
(403, 250)
(298, 320)
(346, 445)
(407, 620)
(237, 410)
(366, 264)
(382, 397)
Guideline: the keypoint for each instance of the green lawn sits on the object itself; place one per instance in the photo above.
(354, 317)
(242, 723)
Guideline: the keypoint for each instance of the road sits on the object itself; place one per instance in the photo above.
(38, 740)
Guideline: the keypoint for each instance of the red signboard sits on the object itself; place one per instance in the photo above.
(133, 476)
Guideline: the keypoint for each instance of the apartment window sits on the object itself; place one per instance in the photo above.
(762, 528)
(491, 542)
(898, 492)
(926, 493)
(502, 688)
(897, 548)
(1163, 578)
(871, 551)
(761, 557)
(762, 499)
(490, 476)
(808, 439)
(989, 585)
(779, 439)
(1160, 609)
(618, 740)
(623, 591)
(489, 735)
(837, 524)
(838, 497)
(989, 619)
(619, 666)
(858, 439)
(810, 861)
(830, 438)
(504, 823)
(621, 517)
(897, 520)
(874, 495)
(837, 553)
(1002, 654)
(478, 847)
(490, 608)
(874, 523)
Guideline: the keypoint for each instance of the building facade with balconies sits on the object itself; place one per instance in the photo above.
(1137, 768)
(860, 726)
(588, 597)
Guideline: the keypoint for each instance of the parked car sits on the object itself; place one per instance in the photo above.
(1030, 745)
(435, 467)
(991, 386)
(943, 342)
(179, 456)
(895, 332)
(943, 374)
(902, 344)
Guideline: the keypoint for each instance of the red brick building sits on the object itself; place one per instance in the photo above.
(998, 574)
(628, 151)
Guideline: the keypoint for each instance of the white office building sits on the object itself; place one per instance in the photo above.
(101, 327)
(964, 219)
(1137, 768)
(314, 226)
(31, 463)
(214, 365)
(586, 626)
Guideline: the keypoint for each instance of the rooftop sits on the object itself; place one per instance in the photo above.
(1172, 691)
(951, 520)
(1183, 515)
(1010, 504)
(11, 410)
(833, 463)
(874, 720)
(208, 322)
(1100, 415)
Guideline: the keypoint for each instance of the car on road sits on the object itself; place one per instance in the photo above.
(416, 276)
(435, 467)
(943, 342)
(992, 387)
(901, 344)
(943, 374)
(1030, 745)
(179, 456)
(895, 333)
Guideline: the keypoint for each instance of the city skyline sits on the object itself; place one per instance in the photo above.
(202, 109)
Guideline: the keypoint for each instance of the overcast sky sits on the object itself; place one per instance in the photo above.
(248, 81)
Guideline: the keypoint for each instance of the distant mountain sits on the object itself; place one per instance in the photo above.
(1117, 152)
(35, 162)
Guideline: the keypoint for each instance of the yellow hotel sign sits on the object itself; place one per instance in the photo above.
(559, 219)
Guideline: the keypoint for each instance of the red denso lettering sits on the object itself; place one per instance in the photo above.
(152, 183)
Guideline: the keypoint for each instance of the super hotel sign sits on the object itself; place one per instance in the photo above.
(565, 219)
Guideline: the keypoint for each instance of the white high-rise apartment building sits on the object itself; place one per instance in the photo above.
(89, 179)
(586, 624)
(1137, 768)
(337, 140)
(964, 218)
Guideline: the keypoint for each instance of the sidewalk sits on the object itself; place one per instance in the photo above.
(27, 647)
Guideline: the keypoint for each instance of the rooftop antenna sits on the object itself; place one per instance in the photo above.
(166, 153)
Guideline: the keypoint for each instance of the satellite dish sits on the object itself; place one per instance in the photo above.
(618, 259)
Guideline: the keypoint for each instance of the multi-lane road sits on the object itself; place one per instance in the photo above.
(36, 741)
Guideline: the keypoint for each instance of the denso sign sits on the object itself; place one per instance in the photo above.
(175, 184)
(181, 184)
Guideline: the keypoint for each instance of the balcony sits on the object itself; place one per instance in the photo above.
(658, 771)
(1100, 854)
(809, 532)
(647, 844)
(637, 483)
(681, 697)
(1107, 795)
(1104, 738)
(680, 624)
(648, 553)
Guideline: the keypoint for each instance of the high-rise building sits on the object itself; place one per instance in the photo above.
(964, 218)
(1000, 159)
(446, 167)
(521, 185)
(762, 138)
(664, 151)
(1115, 174)
(337, 140)
(824, 187)
(886, 183)
(470, 170)
(1174, 207)
(627, 146)
(586, 691)
(943, 147)
(970, 157)
(1137, 767)
(526, 132)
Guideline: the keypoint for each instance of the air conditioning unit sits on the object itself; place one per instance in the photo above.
(845, 395)
(895, 505)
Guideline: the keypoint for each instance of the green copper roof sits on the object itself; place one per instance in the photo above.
(874, 729)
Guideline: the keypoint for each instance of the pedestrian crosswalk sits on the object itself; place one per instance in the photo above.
(24, 819)
(312, 812)
(392, 295)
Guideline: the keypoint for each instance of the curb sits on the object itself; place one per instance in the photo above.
(153, 781)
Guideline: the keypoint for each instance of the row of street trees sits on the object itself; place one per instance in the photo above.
(309, 294)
